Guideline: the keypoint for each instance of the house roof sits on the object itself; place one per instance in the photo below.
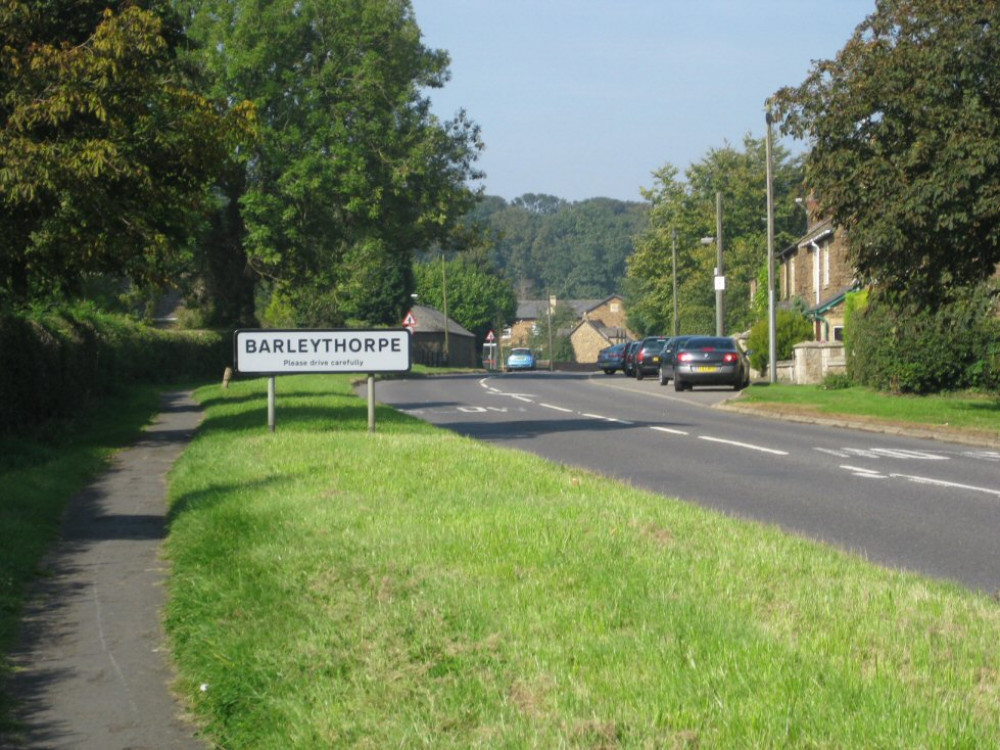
(533, 309)
(817, 232)
(832, 301)
(430, 320)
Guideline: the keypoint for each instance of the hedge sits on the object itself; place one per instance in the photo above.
(908, 349)
(52, 363)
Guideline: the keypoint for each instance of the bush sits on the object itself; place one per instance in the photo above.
(55, 362)
(904, 348)
(791, 328)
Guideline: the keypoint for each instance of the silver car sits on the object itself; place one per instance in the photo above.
(710, 360)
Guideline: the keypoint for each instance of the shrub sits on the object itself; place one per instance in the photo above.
(791, 328)
(904, 348)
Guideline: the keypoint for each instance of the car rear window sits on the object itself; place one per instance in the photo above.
(710, 343)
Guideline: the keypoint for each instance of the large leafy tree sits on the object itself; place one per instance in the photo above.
(683, 211)
(106, 149)
(479, 297)
(351, 170)
(904, 127)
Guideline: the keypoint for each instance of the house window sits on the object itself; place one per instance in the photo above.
(536, 329)
(838, 333)
(615, 307)
(507, 332)
(791, 278)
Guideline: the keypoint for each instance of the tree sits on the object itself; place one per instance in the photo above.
(350, 162)
(684, 212)
(904, 126)
(106, 148)
(478, 296)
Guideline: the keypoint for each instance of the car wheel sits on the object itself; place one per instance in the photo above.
(639, 375)
(663, 378)
(609, 372)
(678, 384)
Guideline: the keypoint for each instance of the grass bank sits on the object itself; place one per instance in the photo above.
(972, 413)
(414, 588)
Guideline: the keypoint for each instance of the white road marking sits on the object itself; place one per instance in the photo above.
(669, 430)
(605, 419)
(838, 454)
(864, 473)
(522, 398)
(942, 483)
(750, 446)
(983, 455)
(557, 408)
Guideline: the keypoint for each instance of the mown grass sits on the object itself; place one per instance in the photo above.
(960, 411)
(414, 588)
(38, 475)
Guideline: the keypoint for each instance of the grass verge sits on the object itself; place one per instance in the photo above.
(39, 474)
(414, 588)
(957, 412)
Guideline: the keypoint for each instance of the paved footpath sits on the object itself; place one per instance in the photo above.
(91, 671)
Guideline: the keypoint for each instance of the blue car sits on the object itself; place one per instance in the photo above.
(520, 359)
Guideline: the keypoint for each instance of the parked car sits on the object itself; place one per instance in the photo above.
(667, 355)
(710, 360)
(647, 356)
(520, 359)
(628, 359)
(609, 358)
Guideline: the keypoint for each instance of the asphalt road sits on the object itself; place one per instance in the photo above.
(924, 505)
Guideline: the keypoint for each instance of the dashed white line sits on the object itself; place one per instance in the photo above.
(557, 408)
(669, 430)
(750, 446)
(522, 398)
(942, 483)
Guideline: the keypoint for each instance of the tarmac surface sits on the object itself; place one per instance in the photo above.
(91, 670)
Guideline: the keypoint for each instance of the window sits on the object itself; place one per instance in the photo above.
(838, 333)
(615, 307)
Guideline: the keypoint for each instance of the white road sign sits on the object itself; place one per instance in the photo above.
(286, 352)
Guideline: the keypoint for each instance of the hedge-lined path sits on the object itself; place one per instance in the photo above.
(91, 669)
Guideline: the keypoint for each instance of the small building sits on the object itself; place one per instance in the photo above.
(438, 340)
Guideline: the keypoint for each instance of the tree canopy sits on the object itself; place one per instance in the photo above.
(684, 211)
(106, 149)
(479, 298)
(351, 168)
(904, 127)
(546, 245)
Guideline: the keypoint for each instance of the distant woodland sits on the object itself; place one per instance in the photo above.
(546, 245)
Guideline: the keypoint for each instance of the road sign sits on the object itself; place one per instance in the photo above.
(409, 321)
(490, 336)
(291, 351)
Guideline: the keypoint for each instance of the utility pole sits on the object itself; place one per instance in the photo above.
(444, 299)
(720, 274)
(772, 323)
(673, 253)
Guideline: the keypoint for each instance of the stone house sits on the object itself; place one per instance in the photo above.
(817, 270)
(601, 324)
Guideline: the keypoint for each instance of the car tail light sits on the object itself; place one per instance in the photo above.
(730, 358)
(641, 356)
(685, 356)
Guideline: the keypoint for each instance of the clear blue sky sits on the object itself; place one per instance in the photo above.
(586, 98)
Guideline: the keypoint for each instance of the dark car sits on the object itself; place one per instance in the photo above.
(667, 355)
(710, 360)
(628, 358)
(647, 356)
(609, 359)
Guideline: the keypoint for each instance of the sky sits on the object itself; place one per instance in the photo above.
(588, 98)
